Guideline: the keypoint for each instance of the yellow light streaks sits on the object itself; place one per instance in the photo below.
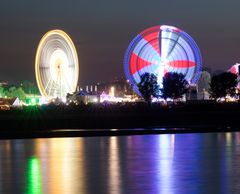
(50, 36)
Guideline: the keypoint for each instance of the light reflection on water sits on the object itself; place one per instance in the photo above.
(34, 180)
(114, 178)
(171, 164)
(165, 154)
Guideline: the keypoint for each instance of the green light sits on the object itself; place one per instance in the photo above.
(34, 184)
(33, 101)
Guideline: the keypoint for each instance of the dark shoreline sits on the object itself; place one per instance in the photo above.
(92, 133)
(201, 117)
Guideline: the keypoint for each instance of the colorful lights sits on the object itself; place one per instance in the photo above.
(32, 101)
(112, 91)
(56, 65)
(159, 50)
(34, 182)
(235, 69)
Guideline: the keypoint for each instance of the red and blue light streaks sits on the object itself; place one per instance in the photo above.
(162, 49)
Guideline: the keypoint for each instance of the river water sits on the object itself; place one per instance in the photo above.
(147, 164)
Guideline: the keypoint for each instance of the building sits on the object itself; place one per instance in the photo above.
(3, 83)
(82, 97)
(119, 88)
(203, 86)
(6, 103)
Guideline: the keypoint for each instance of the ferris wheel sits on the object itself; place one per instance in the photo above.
(162, 49)
(56, 65)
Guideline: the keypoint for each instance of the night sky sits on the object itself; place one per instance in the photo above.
(102, 30)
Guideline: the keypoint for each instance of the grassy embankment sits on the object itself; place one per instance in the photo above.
(121, 116)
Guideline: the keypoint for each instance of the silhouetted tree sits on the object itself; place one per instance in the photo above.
(29, 88)
(222, 85)
(2, 92)
(16, 92)
(20, 94)
(148, 86)
(174, 86)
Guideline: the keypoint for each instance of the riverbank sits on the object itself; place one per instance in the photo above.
(43, 120)
(24, 134)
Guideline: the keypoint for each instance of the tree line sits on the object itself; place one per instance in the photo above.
(174, 86)
(21, 91)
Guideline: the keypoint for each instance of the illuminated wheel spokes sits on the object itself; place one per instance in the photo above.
(159, 50)
(56, 65)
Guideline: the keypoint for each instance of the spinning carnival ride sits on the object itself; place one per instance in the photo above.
(159, 50)
(56, 65)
